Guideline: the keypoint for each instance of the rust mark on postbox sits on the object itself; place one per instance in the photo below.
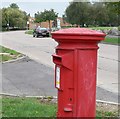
(75, 71)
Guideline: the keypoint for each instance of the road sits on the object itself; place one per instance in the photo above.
(41, 49)
(27, 77)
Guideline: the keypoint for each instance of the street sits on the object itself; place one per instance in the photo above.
(30, 78)
(41, 49)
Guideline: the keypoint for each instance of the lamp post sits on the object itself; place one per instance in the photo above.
(8, 26)
(8, 23)
(27, 25)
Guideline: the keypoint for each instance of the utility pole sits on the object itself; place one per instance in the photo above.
(8, 23)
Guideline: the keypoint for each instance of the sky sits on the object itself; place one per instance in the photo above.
(33, 7)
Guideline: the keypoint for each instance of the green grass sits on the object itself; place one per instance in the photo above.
(27, 107)
(33, 107)
(102, 28)
(12, 54)
(7, 50)
(102, 114)
(29, 32)
(115, 41)
(91, 27)
(5, 58)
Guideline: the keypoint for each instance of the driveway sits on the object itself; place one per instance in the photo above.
(41, 49)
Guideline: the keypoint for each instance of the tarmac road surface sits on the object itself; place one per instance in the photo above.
(41, 49)
(30, 78)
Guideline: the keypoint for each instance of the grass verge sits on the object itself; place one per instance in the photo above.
(27, 107)
(35, 107)
(115, 41)
(29, 32)
(102, 28)
(8, 54)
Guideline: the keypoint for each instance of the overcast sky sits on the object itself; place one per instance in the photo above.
(33, 7)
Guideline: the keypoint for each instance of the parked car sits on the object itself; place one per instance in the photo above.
(41, 32)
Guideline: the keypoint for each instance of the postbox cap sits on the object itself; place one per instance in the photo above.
(78, 34)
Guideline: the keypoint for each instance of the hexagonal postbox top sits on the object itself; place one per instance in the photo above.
(77, 34)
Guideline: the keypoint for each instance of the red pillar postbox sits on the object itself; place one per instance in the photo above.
(75, 71)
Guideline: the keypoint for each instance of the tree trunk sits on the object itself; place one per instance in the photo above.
(49, 24)
(83, 24)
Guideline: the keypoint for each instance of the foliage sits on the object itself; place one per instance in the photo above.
(97, 14)
(46, 15)
(113, 12)
(49, 15)
(14, 5)
(77, 13)
(0, 19)
(14, 17)
(64, 18)
(39, 17)
(114, 6)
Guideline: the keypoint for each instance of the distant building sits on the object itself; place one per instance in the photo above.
(63, 23)
(60, 23)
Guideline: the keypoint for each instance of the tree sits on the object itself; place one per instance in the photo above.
(77, 13)
(14, 5)
(114, 6)
(14, 17)
(39, 17)
(114, 12)
(5, 17)
(64, 18)
(46, 15)
(98, 13)
(49, 15)
(0, 19)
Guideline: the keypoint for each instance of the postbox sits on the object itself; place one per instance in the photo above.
(75, 71)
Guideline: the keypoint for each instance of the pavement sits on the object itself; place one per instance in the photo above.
(41, 49)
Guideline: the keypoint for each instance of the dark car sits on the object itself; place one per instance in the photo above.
(41, 32)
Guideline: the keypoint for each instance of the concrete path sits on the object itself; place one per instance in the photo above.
(41, 49)
(29, 78)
